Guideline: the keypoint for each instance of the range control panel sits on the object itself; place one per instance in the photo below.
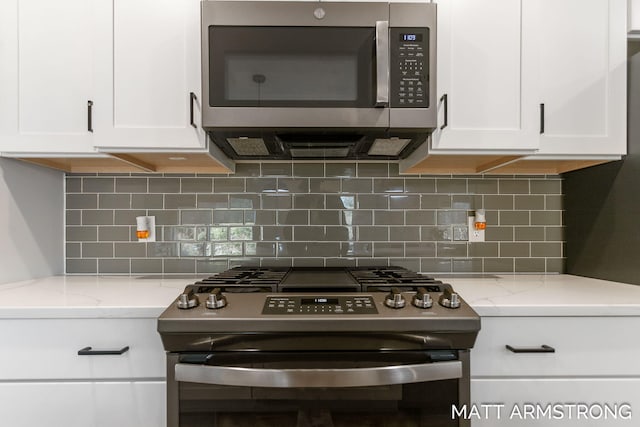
(409, 75)
(347, 304)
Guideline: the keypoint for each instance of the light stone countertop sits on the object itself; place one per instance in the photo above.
(147, 297)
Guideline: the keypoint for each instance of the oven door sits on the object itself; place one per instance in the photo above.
(320, 389)
(295, 65)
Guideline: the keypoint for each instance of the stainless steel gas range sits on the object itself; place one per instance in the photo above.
(330, 347)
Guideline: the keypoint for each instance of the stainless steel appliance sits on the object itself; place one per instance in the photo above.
(317, 347)
(300, 80)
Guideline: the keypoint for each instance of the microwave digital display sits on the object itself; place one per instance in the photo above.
(410, 37)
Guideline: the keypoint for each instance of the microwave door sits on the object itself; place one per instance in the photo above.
(292, 70)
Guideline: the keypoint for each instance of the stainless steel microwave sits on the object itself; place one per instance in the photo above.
(309, 80)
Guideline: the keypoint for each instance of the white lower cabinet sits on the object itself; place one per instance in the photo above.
(83, 404)
(555, 402)
(591, 378)
(45, 382)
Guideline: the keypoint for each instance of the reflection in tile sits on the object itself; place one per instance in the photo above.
(460, 233)
(196, 217)
(202, 233)
(440, 233)
(388, 185)
(323, 217)
(179, 233)
(277, 233)
(226, 249)
(293, 185)
(359, 217)
(262, 185)
(192, 249)
(340, 202)
(218, 233)
(162, 249)
(340, 169)
(227, 217)
(324, 185)
(244, 233)
(452, 217)
(259, 249)
(404, 202)
(244, 201)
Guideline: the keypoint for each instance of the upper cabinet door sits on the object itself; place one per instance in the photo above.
(487, 73)
(147, 66)
(583, 76)
(46, 51)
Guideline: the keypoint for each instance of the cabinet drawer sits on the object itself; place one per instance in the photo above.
(584, 346)
(45, 349)
(83, 404)
(525, 401)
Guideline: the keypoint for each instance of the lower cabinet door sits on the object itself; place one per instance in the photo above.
(83, 404)
(553, 402)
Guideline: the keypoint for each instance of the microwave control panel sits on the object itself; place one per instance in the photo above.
(409, 74)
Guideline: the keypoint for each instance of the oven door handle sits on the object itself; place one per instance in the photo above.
(298, 378)
(382, 63)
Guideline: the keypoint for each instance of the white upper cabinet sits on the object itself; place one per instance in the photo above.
(46, 80)
(147, 66)
(634, 17)
(487, 74)
(583, 76)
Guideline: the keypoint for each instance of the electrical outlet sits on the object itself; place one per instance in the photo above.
(474, 235)
(146, 228)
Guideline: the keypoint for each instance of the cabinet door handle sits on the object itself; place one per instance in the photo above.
(88, 352)
(90, 116)
(541, 119)
(445, 100)
(542, 349)
(193, 98)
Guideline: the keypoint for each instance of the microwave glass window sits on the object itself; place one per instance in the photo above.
(291, 66)
(291, 77)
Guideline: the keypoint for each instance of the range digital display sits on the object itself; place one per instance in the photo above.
(410, 37)
(307, 301)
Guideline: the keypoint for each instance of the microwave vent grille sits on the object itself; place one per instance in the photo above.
(388, 146)
(244, 146)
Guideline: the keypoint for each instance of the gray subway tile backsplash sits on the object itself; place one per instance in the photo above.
(131, 185)
(320, 214)
(98, 185)
(114, 201)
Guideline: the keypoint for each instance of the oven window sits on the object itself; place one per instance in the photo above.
(291, 66)
(411, 405)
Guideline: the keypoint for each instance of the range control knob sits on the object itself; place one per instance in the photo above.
(216, 299)
(394, 299)
(422, 299)
(188, 300)
(449, 298)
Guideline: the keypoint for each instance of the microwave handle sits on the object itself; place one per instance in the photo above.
(382, 63)
(294, 378)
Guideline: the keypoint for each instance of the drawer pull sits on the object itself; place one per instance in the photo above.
(88, 352)
(542, 349)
